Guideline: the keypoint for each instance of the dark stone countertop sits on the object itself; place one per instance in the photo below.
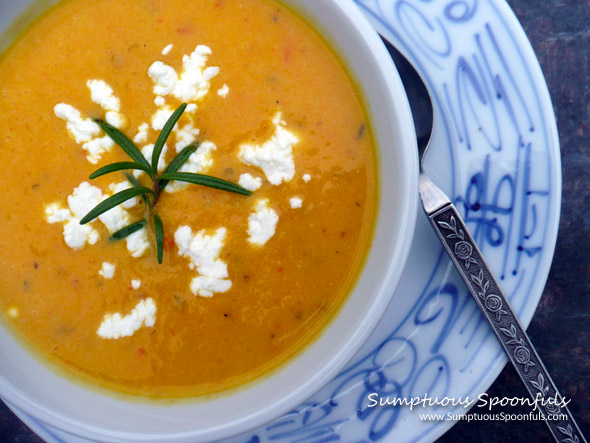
(559, 31)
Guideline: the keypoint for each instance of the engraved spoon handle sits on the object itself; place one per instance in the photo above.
(480, 281)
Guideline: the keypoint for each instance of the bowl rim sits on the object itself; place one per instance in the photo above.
(409, 206)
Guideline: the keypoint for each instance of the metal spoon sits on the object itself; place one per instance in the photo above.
(476, 274)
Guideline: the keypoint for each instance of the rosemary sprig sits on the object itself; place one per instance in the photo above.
(151, 195)
(205, 180)
(128, 230)
(121, 166)
(115, 200)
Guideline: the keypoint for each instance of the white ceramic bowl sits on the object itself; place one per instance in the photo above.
(31, 386)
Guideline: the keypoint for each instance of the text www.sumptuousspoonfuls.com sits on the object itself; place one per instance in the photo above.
(483, 406)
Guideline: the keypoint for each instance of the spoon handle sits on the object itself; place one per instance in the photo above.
(480, 281)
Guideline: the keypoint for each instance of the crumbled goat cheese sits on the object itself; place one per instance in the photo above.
(306, 178)
(80, 202)
(138, 243)
(117, 218)
(223, 91)
(198, 162)
(185, 136)
(262, 223)
(164, 78)
(250, 182)
(55, 214)
(96, 147)
(167, 49)
(296, 202)
(136, 284)
(203, 251)
(114, 326)
(121, 186)
(159, 101)
(107, 270)
(84, 130)
(160, 117)
(84, 198)
(191, 108)
(192, 84)
(102, 94)
(142, 133)
(275, 156)
(148, 151)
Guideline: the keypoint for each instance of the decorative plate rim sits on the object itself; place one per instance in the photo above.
(526, 311)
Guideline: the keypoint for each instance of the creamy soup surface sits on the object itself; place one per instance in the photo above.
(246, 281)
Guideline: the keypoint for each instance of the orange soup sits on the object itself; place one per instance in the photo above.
(245, 281)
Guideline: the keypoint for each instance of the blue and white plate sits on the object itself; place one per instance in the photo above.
(495, 150)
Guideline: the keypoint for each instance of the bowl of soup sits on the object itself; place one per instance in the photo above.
(191, 313)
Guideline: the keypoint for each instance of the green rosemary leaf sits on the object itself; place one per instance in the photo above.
(181, 158)
(133, 180)
(128, 230)
(136, 183)
(159, 237)
(178, 161)
(120, 166)
(115, 200)
(164, 134)
(205, 180)
(122, 140)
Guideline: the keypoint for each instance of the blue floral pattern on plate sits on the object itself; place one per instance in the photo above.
(495, 151)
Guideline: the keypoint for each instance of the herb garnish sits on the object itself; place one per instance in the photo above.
(151, 195)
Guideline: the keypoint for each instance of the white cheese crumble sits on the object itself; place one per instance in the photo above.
(138, 243)
(191, 108)
(84, 198)
(192, 84)
(250, 182)
(223, 91)
(262, 223)
(96, 147)
(102, 94)
(114, 326)
(167, 49)
(198, 162)
(115, 218)
(80, 202)
(164, 78)
(203, 251)
(121, 186)
(159, 100)
(142, 133)
(185, 136)
(148, 151)
(84, 130)
(160, 117)
(275, 156)
(296, 202)
(306, 177)
(136, 284)
(107, 270)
